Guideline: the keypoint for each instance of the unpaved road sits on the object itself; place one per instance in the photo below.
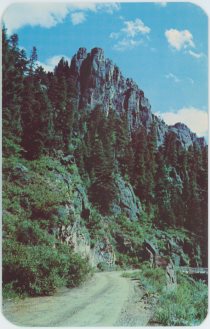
(107, 299)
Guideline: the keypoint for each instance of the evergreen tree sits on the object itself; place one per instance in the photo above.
(151, 164)
(140, 164)
(102, 190)
(33, 60)
(13, 69)
(99, 159)
(36, 119)
(170, 149)
(123, 147)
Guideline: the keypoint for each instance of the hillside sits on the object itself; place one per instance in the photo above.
(91, 178)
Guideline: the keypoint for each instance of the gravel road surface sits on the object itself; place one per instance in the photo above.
(108, 299)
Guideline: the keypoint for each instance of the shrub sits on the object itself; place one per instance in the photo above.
(39, 270)
(103, 266)
(75, 268)
(187, 305)
(10, 147)
(78, 271)
(152, 279)
(28, 232)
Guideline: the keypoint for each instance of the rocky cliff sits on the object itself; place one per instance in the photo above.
(100, 81)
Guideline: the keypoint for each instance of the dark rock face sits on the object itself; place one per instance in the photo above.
(184, 135)
(162, 130)
(100, 82)
(126, 201)
(77, 60)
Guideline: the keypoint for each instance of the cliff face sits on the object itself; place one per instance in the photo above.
(99, 81)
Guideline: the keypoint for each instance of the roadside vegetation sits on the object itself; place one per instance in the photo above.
(35, 261)
(185, 305)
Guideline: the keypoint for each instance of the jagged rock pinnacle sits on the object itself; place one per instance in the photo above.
(100, 82)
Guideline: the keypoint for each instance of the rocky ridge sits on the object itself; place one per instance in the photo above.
(100, 81)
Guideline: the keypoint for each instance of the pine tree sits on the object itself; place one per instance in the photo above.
(99, 159)
(123, 147)
(140, 165)
(170, 149)
(102, 190)
(32, 61)
(37, 120)
(13, 69)
(151, 163)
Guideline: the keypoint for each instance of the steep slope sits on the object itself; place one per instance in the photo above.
(100, 81)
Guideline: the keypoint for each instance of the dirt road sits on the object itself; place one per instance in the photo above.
(107, 299)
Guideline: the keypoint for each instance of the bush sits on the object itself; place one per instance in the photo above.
(75, 268)
(187, 305)
(39, 270)
(103, 266)
(78, 271)
(11, 147)
(153, 279)
(28, 232)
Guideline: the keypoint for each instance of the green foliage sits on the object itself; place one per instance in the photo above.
(94, 223)
(10, 147)
(13, 69)
(31, 233)
(40, 197)
(102, 266)
(187, 305)
(129, 237)
(39, 270)
(97, 159)
(152, 279)
(34, 262)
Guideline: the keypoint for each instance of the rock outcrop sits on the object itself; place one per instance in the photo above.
(184, 135)
(74, 213)
(126, 201)
(100, 82)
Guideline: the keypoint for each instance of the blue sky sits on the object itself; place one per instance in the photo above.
(163, 47)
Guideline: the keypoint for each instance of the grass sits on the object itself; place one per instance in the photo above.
(186, 305)
(153, 280)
